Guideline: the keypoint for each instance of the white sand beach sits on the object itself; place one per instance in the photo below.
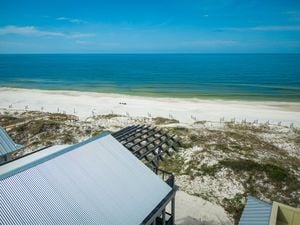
(85, 104)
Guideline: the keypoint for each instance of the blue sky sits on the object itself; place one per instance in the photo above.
(153, 26)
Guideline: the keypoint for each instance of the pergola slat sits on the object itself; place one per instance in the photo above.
(137, 132)
(149, 143)
(157, 142)
(154, 148)
(123, 130)
(126, 132)
(140, 135)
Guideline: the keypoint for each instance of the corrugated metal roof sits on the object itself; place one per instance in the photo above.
(95, 182)
(7, 145)
(22, 162)
(256, 212)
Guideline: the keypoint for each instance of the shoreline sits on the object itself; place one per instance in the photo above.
(186, 110)
(166, 95)
(206, 98)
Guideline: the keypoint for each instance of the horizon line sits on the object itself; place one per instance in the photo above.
(151, 53)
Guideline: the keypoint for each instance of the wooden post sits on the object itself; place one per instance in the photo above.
(173, 210)
(164, 217)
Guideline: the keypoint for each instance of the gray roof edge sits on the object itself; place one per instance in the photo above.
(50, 156)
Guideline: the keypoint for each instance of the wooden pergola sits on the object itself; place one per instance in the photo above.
(148, 143)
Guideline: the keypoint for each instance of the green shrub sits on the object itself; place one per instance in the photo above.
(6, 120)
(40, 126)
(59, 117)
(172, 164)
(202, 122)
(110, 116)
(37, 126)
(194, 138)
(274, 172)
(209, 170)
(242, 164)
(161, 120)
(186, 144)
(234, 206)
(68, 139)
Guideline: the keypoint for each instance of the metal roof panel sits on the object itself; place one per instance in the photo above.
(98, 182)
(7, 145)
(256, 212)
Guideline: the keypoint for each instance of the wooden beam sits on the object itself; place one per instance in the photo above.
(151, 142)
(133, 129)
(154, 148)
(134, 132)
(140, 135)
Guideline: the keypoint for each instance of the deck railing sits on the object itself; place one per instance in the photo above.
(166, 176)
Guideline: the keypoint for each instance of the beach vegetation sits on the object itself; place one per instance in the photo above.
(109, 116)
(274, 172)
(235, 206)
(7, 120)
(253, 127)
(210, 170)
(97, 132)
(60, 117)
(35, 127)
(68, 139)
(163, 121)
(179, 131)
(191, 167)
(186, 145)
(296, 137)
(200, 122)
(173, 164)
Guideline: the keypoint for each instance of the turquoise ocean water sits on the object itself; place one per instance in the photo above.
(274, 77)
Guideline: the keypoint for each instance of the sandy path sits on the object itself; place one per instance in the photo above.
(192, 210)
